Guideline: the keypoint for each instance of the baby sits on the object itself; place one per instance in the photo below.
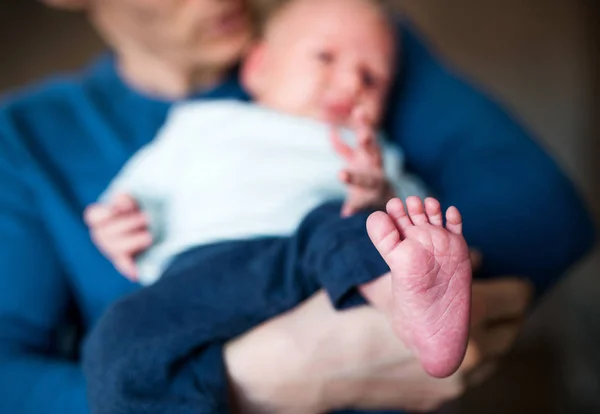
(239, 197)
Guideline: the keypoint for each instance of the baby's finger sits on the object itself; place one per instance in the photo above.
(364, 136)
(123, 225)
(97, 214)
(344, 176)
(130, 245)
(361, 118)
(339, 146)
(116, 246)
(369, 146)
(348, 209)
(366, 140)
(124, 203)
(126, 266)
(362, 180)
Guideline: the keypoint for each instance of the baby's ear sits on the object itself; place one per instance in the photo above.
(254, 69)
(67, 4)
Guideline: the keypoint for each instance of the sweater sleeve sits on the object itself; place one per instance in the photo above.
(519, 207)
(34, 296)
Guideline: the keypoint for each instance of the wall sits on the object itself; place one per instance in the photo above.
(539, 58)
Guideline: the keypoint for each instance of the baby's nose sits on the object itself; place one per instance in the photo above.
(349, 83)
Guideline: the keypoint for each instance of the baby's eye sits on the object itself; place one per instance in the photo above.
(369, 80)
(325, 57)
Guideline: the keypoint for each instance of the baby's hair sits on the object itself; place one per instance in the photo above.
(265, 10)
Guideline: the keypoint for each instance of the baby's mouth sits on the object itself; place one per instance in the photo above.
(338, 113)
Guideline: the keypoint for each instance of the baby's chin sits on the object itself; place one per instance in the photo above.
(324, 116)
(332, 118)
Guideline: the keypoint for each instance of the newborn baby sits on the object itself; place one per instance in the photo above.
(245, 224)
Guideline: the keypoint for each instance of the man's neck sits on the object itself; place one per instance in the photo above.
(154, 77)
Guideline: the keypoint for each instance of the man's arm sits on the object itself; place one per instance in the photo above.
(34, 297)
(520, 210)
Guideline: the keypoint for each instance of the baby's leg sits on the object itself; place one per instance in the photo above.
(160, 349)
(162, 345)
(431, 279)
(336, 254)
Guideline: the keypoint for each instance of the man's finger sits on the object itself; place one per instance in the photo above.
(498, 340)
(482, 373)
(476, 259)
(473, 357)
(502, 299)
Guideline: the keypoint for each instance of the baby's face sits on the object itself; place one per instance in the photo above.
(322, 59)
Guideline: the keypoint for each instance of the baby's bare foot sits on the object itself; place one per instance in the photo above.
(431, 279)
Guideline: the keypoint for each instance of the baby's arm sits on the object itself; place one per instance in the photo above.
(128, 218)
(120, 231)
(368, 186)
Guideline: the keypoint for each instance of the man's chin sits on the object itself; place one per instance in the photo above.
(66, 4)
(229, 54)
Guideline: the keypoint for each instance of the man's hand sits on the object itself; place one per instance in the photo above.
(120, 231)
(314, 359)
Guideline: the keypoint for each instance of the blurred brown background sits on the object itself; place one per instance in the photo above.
(540, 58)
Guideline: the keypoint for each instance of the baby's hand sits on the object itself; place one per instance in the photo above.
(120, 231)
(364, 174)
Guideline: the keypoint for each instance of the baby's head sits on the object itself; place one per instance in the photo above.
(322, 59)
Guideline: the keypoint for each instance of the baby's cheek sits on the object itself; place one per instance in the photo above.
(373, 109)
(310, 101)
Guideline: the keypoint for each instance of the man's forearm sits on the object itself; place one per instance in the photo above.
(264, 368)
